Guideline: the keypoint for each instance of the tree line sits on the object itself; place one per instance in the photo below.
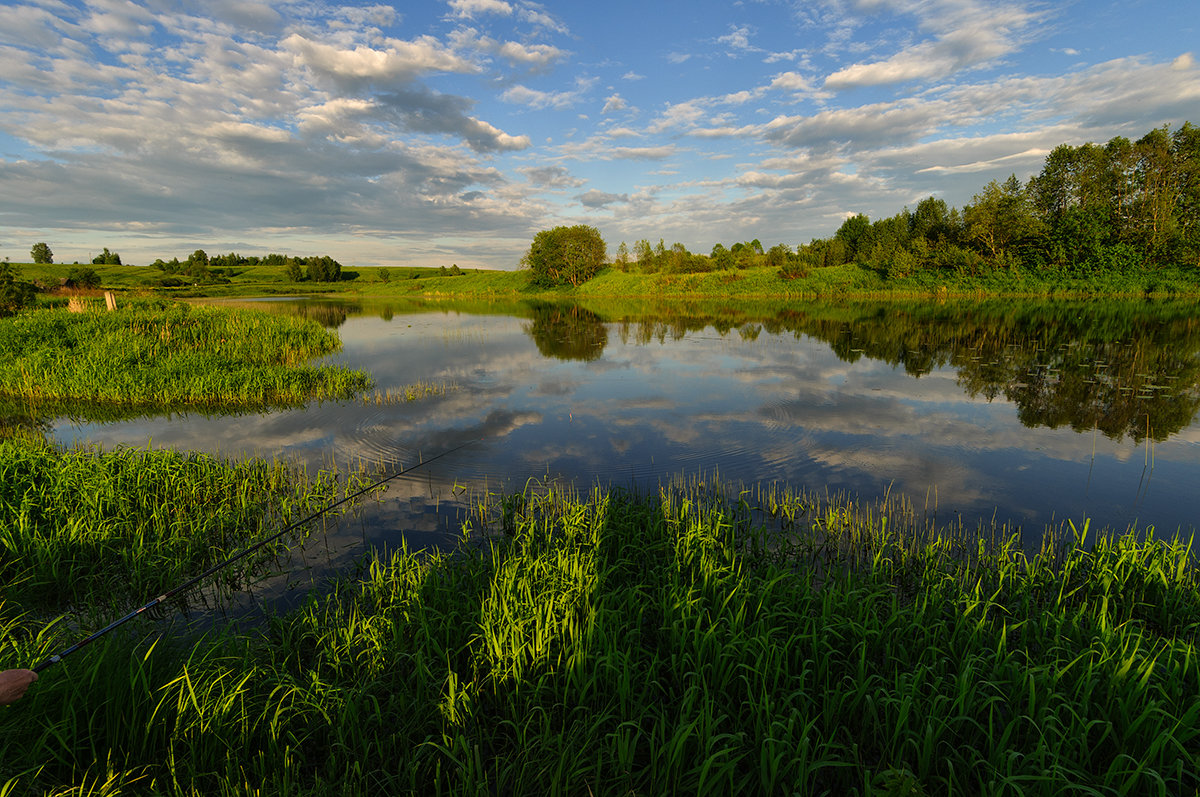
(201, 267)
(1094, 209)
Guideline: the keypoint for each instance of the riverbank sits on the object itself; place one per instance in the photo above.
(844, 281)
(683, 641)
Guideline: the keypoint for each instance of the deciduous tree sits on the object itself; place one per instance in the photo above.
(565, 255)
(41, 253)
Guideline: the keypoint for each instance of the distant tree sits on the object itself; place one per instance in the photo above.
(198, 257)
(41, 253)
(931, 220)
(1000, 217)
(293, 270)
(778, 255)
(384, 275)
(324, 269)
(855, 235)
(565, 255)
(678, 258)
(107, 258)
(721, 257)
(622, 259)
(644, 254)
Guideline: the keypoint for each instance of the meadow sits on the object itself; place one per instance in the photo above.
(689, 640)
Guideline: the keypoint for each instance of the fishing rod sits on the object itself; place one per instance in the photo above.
(191, 582)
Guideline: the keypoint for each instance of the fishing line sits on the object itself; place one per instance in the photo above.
(55, 659)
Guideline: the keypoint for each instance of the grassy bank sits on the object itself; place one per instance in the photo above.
(167, 355)
(848, 280)
(683, 642)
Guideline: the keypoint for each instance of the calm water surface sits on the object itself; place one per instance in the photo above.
(983, 413)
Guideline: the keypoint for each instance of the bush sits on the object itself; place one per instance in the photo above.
(14, 294)
(83, 278)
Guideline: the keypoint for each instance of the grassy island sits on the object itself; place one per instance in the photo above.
(166, 355)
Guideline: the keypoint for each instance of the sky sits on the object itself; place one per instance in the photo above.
(440, 133)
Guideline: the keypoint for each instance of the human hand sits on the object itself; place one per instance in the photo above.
(13, 684)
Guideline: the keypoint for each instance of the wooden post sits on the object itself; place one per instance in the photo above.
(110, 299)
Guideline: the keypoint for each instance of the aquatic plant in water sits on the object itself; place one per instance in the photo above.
(695, 639)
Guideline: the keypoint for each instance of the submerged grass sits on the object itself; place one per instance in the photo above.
(414, 392)
(168, 355)
(695, 640)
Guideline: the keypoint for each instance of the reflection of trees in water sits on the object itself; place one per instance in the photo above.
(1124, 369)
(330, 316)
(567, 332)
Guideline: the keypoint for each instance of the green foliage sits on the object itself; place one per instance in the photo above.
(684, 642)
(178, 356)
(324, 269)
(1092, 211)
(293, 270)
(41, 253)
(86, 528)
(15, 294)
(107, 258)
(82, 277)
(565, 256)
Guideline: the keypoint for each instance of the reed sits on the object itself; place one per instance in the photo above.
(699, 639)
(415, 392)
(156, 354)
(83, 531)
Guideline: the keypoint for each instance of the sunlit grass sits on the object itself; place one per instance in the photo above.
(83, 529)
(695, 640)
(172, 355)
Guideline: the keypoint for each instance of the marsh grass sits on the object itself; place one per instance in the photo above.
(168, 355)
(415, 392)
(700, 639)
(83, 530)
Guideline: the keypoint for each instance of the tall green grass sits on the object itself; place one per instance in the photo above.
(168, 355)
(695, 640)
(82, 530)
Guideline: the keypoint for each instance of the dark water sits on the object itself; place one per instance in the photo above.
(1023, 414)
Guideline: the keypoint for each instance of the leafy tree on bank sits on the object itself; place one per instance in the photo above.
(41, 253)
(324, 269)
(565, 255)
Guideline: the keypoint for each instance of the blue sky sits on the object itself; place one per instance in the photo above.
(450, 132)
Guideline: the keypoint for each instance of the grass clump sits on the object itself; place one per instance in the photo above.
(412, 392)
(691, 641)
(83, 530)
(168, 356)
